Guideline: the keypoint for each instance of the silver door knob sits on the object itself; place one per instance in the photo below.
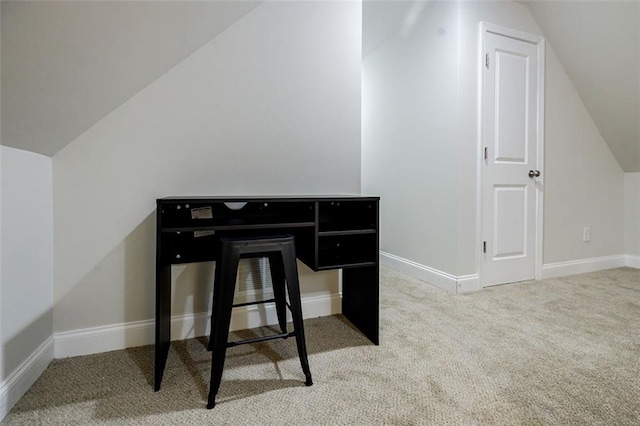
(534, 173)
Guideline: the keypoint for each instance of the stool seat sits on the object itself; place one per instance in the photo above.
(280, 250)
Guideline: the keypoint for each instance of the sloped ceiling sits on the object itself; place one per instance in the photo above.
(66, 65)
(598, 44)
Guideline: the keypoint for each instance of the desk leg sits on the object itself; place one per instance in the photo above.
(163, 322)
(360, 299)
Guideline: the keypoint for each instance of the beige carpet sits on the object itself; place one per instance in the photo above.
(560, 351)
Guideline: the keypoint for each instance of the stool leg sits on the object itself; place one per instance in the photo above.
(225, 283)
(291, 273)
(277, 279)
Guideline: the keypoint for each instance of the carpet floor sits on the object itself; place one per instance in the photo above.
(558, 351)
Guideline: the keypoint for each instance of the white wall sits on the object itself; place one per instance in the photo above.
(271, 105)
(1, 334)
(420, 142)
(27, 262)
(408, 127)
(584, 184)
(632, 217)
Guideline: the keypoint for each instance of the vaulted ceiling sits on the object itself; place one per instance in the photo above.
(66, 65)
(598, 44)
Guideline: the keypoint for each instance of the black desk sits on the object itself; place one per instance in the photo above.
(331, 232)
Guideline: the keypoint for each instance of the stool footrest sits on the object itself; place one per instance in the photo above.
(261, 339)
(257, 302)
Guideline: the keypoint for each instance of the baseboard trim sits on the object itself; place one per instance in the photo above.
(443, 280)
(23, 377)
(139, 333)
(469, 284)
(582, 266)
(632, 261)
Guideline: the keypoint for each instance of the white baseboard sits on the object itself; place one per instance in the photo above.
(632, 261)
(443, 280)
(120, 336)
(469, 283)
(582, 266)
(21, 379)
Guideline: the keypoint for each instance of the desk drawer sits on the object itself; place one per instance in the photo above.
(336, 251)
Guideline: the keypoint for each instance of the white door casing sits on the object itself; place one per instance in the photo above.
(511, 136)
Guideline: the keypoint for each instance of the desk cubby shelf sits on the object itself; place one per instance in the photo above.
(347, 215)
(347, 248)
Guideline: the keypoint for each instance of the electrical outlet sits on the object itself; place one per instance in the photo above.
(586, 234)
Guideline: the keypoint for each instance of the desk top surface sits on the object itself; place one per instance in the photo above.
(225, 198)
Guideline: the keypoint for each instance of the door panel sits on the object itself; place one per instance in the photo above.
(510, 220)
(511, 107)
(510, 137)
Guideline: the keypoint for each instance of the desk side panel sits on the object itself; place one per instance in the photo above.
(360, 299)
(361, 285)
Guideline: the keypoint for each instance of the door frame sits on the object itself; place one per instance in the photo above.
(486, 28)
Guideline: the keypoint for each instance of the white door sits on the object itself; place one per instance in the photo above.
(510, 164)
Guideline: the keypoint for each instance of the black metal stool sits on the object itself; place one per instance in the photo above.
(282, 261)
